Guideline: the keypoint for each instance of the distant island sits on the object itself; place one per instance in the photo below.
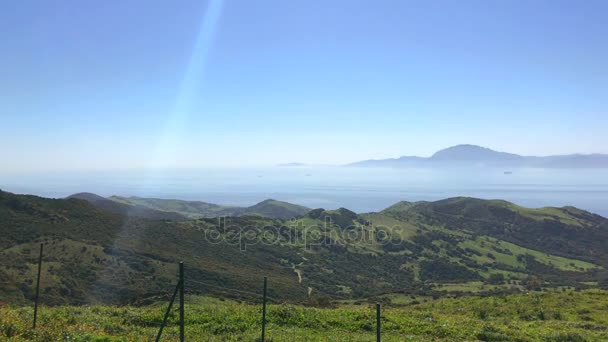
(291, 165)
(473, 155)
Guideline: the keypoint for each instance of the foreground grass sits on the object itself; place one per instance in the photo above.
(551, 316)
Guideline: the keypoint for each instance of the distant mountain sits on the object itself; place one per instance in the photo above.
(127, 209)
(472, 155)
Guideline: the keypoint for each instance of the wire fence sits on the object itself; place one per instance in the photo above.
(179, 293)
(244, 292)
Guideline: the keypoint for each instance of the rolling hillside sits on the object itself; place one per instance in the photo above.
(453, 246)
(191, 209)
(128, 209)
(269, 208)
(197, 209)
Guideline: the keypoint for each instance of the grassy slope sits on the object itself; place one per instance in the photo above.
(470, 217)
(490, 251)
(550, 316)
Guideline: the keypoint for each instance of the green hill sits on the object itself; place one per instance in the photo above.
(196, 209)
(191, 209)
(448, 247)
(270, 208)
(128, 209)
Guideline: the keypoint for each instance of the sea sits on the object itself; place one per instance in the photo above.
(358, 189)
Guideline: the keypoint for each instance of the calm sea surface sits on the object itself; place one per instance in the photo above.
(359, 189)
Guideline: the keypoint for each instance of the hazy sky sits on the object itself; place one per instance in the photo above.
(142, 83)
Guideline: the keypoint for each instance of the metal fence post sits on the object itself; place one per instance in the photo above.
(37, 287)
(162, 325)
(181, 302)
(264, 311)
(378, 322)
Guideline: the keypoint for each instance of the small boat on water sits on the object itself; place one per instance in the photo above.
(508, 172)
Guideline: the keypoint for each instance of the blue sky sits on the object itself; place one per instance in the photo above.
(142, 83)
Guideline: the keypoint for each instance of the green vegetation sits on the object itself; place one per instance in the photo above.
(271, 208)
(452, 247)
(547, 316)
(514, 256)
(191, 209)
(196, 209)
(127, 209)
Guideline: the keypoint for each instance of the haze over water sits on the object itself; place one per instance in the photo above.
(358, 189)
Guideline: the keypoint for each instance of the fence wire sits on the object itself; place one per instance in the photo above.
(231, 290)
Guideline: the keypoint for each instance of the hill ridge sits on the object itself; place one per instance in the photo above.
(199, 209)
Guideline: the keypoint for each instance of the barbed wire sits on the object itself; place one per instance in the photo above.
(230, 289)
